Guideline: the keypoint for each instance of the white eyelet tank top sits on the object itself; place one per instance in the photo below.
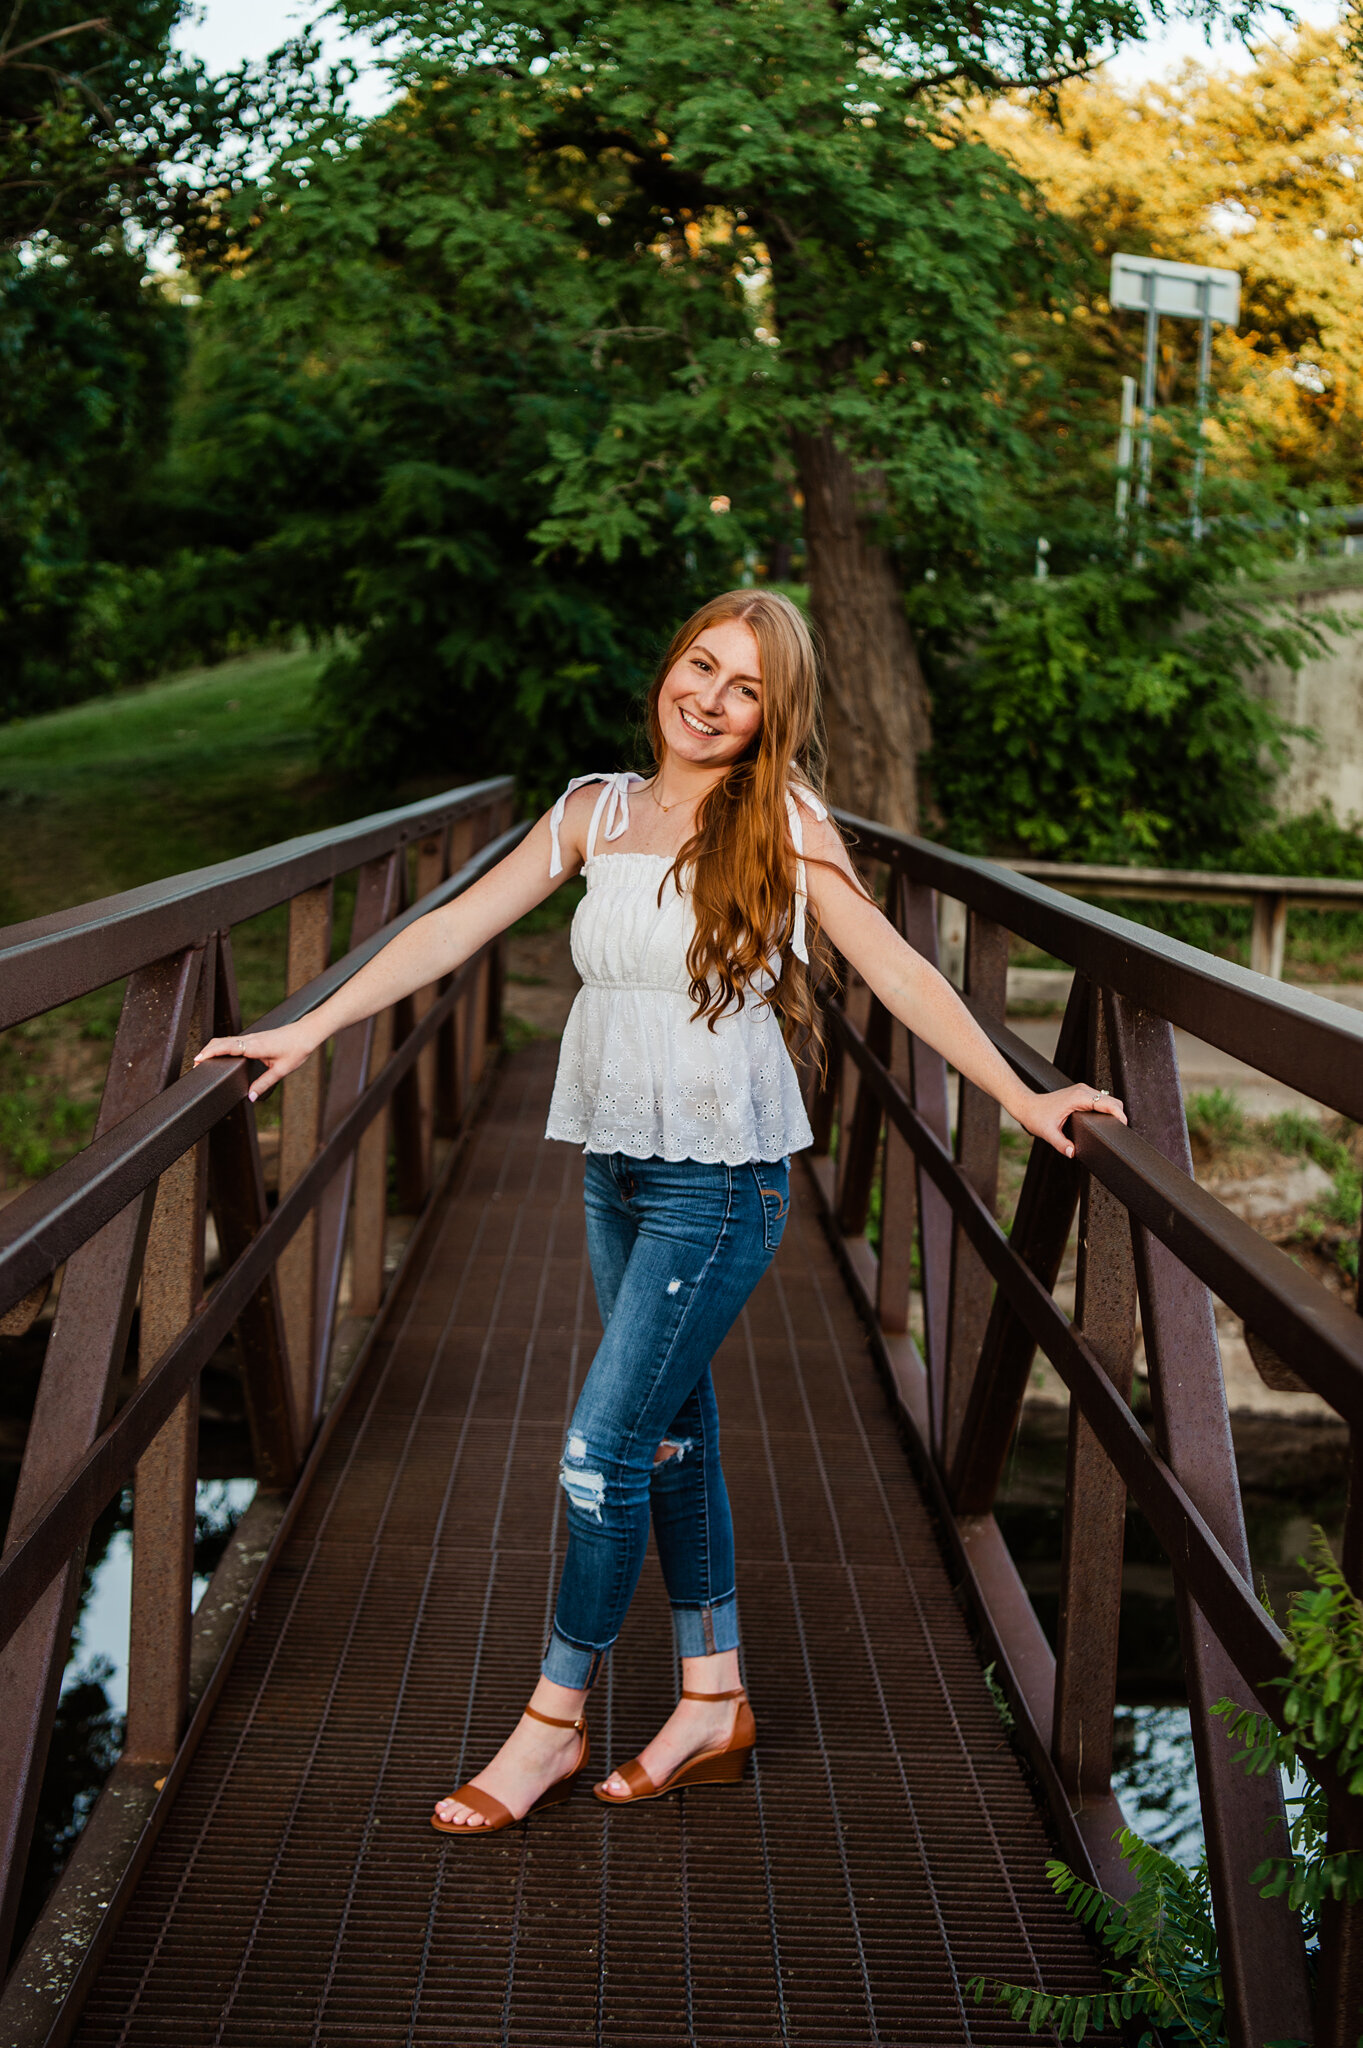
(636, 1073)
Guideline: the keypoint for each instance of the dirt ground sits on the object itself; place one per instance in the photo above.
(541, 981)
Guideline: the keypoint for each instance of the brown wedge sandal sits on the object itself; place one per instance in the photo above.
(495, 1815)
(722, 1766)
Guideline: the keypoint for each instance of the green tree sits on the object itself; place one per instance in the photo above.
(108, 137)
(1102, 715)
(89, 363)
(104, 124)
(378, 387)
(883, 248)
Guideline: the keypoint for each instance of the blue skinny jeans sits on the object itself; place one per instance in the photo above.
(676, 1247)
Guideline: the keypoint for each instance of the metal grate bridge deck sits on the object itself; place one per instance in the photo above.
(884, 1849)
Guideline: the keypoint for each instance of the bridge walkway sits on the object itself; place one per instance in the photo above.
(885, 1848)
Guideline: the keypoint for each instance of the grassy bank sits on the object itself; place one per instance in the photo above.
(122, 790)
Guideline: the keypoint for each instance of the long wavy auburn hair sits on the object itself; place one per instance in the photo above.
(740, 858)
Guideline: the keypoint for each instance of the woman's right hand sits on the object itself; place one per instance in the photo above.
(281, 1051)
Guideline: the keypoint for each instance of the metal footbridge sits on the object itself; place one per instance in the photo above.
(406, 1298)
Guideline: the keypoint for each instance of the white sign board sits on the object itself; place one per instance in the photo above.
(1185, 291)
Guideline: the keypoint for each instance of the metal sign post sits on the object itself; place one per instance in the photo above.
(1183, 291)
(1124, 448)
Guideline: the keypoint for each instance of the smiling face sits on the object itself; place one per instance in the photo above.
(709, 706)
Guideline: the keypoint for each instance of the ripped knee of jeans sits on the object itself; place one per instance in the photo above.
(673, 1448)
(585, 1488)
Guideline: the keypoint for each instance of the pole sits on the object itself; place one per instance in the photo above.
(1124, 450)
(1147, 394)
(1204, 378)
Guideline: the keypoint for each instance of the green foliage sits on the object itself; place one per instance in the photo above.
(1163, 1943)
(1102, 716)
(101, 119)
(1218, 1118)
(990, 46)
(503, 385)
(1315, 842)
(424, 319)
(1332, 1222)
(1165, 1968)
(880, 248)
(1322, 1717)
(89, 119)
(40, 1126)
(999, 1697)
(89, 361)
(108, 138)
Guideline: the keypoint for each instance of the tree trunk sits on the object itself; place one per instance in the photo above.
(875, 700)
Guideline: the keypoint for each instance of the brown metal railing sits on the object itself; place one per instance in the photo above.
(126, 1222)
(1149, 1239)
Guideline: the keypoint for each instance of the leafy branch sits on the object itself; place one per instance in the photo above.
(1322, 1719)
(1164, 1941)
(1165, 1963)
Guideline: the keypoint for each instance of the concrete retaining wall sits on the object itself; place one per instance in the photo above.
(1327, 695)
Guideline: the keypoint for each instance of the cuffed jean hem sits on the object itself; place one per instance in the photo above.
(571, 1664)
(705, 1631)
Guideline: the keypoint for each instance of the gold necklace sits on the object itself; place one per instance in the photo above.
(661, 805)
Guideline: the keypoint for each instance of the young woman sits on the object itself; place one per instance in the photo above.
(708, 886)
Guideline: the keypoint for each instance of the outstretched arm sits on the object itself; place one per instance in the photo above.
(923, 999)
(420, 954)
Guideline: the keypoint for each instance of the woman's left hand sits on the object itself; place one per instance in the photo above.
(1044, 1115)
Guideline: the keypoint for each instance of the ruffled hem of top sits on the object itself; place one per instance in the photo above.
(738, 1157)
(664, 1088)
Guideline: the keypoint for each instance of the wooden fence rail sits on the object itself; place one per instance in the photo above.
(1269, 896)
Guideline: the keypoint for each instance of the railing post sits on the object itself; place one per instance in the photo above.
(977, 1154)
(410, 1153)
(1095, 1513)
(375, 904)
(859, 1139)
(478, 998)
(310, 917)
(164, 1488)
(1263, 1964)
(369, 1240)
(935, 1227)
(430, 870)
(1268, 934)
(898, 1205)
(237, 1198)
(1041, 1230)
(452, 1072)
(500, 817)
(823, 1107)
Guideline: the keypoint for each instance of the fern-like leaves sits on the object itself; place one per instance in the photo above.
(1163, 1945)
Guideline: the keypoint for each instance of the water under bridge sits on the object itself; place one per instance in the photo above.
(407, 1302)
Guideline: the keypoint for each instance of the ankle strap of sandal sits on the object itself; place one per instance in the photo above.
(551, 1720)
(738, 1693)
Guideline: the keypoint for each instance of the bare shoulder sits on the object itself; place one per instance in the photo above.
(823, 841)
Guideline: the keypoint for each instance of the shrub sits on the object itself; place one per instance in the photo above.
(1163, 1941)
(1103, 716)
